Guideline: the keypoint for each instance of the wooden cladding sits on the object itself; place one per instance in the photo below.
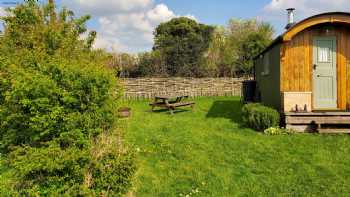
(297, 60)
(296, 64)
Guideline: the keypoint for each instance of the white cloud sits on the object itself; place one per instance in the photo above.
(276, 9)
(3, 11)
(106, 7)
(160, 13)
(124, 25)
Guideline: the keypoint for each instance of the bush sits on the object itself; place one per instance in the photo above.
(259, 117)
(53, 171)
(40, 105)
(49, 171)
(56, 99)
(106, 180)
(49, 120)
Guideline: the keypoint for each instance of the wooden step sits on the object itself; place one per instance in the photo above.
(318, 119)
(330, 131)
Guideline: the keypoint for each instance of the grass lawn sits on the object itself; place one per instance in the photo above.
(209, 153)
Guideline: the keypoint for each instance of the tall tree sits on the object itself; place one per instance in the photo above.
(182, 42)
(249, 37)
(220, 58)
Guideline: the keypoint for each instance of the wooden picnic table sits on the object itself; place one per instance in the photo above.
(171, 102)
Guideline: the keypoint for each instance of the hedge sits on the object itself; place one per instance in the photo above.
(259, 117)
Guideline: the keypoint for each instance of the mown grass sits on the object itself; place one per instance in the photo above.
(208, 152)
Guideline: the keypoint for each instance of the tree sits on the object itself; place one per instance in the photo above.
(150, 64)
(249, 37)
(30, 27)
(182, 42)
(221, 55)
(123, 64)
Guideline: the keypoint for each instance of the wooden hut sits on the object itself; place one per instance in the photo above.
(305, 72)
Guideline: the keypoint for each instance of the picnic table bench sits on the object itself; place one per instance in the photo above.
(171, 102)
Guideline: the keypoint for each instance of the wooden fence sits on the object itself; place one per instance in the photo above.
(145, 88)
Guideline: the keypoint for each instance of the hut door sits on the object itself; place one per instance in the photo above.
(325, 73)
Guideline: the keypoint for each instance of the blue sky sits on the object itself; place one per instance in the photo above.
(217, 11)
(127, 25)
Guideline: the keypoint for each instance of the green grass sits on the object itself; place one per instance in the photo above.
(208, 150)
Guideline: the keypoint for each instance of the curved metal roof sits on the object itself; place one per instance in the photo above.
(328, 17)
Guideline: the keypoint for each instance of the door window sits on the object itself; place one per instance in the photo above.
(324, 52)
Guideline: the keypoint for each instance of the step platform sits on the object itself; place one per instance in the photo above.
(322, 122)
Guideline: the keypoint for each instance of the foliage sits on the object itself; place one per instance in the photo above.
(277, 131)
(73, 171)
(111, 171)
(147, 64)
(250, 37)
(123, 64)
(49, 170)
(220, 58)
(260, 117)
(56, 98)
(151, 64)
(186, 48)
(39, 32)
(182, 42)
(209, 150)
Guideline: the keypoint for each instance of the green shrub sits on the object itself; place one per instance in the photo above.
(53, 171)
(48, 171)
(105, 180)
(40, 105)
(49, 117)
(260, 117)
(56, 99)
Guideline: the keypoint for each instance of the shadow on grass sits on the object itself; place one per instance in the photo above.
(226, 109)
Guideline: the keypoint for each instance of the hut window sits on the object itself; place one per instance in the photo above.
(266, 61)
